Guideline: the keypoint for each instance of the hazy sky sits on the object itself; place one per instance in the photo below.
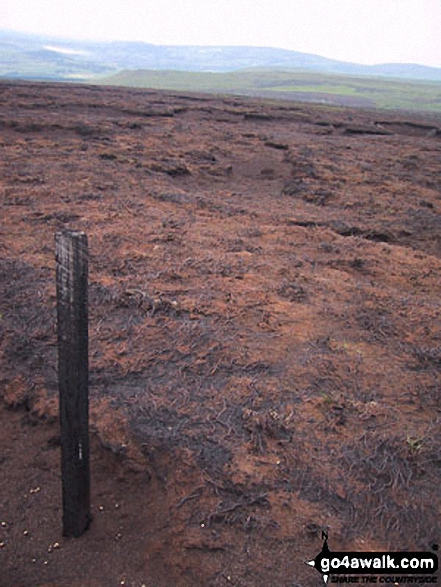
(362, 31)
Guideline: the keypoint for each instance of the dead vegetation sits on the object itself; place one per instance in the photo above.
(264, 325)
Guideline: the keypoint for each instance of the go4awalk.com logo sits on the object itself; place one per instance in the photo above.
(393, 568)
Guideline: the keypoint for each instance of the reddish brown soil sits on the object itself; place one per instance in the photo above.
(265, 334)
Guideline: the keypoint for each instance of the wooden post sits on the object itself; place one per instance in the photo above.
(73, 378)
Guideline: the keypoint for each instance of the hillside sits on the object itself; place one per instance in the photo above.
(264, 334)
(331, 89)
(27, 56)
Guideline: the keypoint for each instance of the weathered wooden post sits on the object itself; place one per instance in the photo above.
(73, 378)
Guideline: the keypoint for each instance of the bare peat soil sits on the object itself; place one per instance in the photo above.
(265, 334)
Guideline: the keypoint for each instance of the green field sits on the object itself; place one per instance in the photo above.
(332, 89)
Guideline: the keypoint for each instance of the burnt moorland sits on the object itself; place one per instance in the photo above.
(265, 334)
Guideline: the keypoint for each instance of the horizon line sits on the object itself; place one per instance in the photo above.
(51, 36)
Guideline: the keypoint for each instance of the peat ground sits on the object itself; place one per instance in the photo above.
(265, 334)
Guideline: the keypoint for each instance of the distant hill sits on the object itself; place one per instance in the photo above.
(300, 85)
(26, 56)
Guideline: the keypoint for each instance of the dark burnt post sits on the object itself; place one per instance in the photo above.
(73, 378)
